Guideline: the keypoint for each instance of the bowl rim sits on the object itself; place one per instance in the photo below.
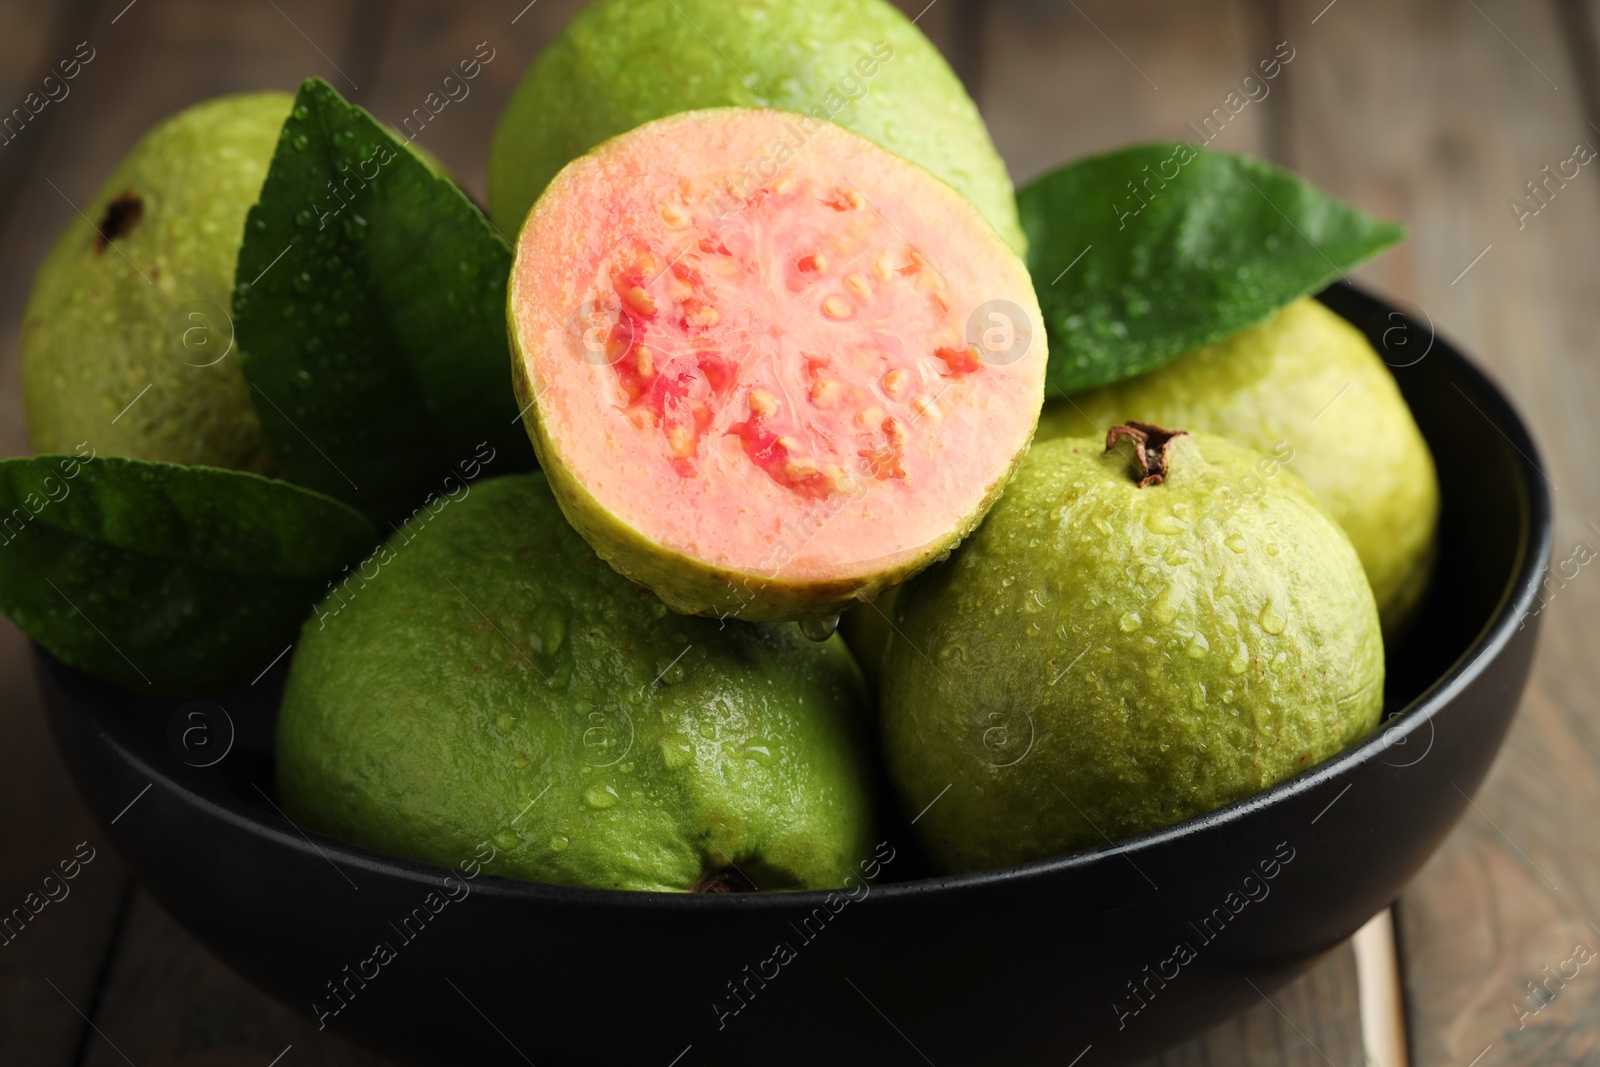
(1533, 553)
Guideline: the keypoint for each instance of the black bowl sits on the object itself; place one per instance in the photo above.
(1128, 948)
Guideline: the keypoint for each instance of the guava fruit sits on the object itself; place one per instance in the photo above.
(865, 629)
(127, 342)
(1304, 384)
(494, 682)
(1131, 638)
(858, 63)
(770, 369)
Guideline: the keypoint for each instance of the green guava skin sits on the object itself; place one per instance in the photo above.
(1276, 384)
(493, 681)
(621, 63)
(105, 323)
(1100, 660)
(865, 629)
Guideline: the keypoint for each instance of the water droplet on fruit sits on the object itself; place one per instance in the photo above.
(708, 731)
(677, 751)
(1166, 606)
(302, 112)
(1129, 622)
(301, 142)
(1236, 543)
(668, 671)
(1271, 621)
(302, 217)
(1164, 522)
(1240, 660)
(550, 627)
(505, 840)
(559, 843)
(1199, 647)
(820, 629)
(302, 282)
(600, 796)
(506, 721)
(760, 751)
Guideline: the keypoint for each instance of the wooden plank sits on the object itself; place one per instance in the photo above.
(150, 59)
(36, 41)
(1065, 80)
(33, 39)
(170, 1003)
(55, 933)
(1438, 113)
(1580, 29)
(1383, 1010)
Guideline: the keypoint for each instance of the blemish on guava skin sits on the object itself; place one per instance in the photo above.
(121, 216)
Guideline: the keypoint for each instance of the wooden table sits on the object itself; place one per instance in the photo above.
(1435, 112)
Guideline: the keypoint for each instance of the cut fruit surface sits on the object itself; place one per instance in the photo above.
(769, 367)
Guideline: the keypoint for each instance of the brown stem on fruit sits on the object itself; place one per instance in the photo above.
(1150, 445)
(723, 880)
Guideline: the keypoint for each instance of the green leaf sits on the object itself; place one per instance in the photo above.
(1180, 246)
(369, 304)
(165, 579)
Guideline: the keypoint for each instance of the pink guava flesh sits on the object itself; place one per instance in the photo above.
(745, 340)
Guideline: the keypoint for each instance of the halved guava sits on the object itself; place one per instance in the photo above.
(769, 367)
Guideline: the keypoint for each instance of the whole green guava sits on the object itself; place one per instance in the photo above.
(858, 63)
(485, 678)
(127, 341)
(1105, 657)
(1304, 384)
